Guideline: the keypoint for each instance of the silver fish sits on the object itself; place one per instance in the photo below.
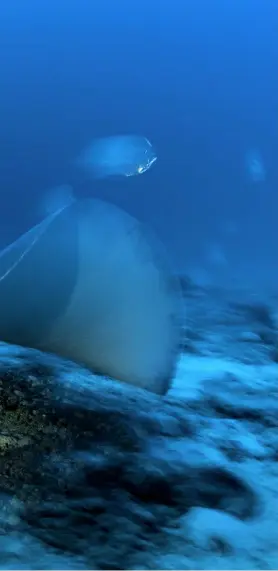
(122, 155)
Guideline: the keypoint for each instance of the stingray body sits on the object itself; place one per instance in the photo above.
(89, 284)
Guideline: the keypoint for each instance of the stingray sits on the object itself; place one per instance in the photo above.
(91, 284)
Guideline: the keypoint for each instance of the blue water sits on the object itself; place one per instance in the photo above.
(198, 78)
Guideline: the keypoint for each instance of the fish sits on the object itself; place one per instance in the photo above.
(55, 199)
(117, 156)
(255, 166)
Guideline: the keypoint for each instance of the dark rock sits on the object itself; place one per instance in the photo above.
(79, 458)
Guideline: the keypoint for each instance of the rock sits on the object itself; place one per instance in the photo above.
(89, 470)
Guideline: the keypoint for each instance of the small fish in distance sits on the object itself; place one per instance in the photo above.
(55, 199)
(255, 166)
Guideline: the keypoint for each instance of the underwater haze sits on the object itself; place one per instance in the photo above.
(197, 78)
